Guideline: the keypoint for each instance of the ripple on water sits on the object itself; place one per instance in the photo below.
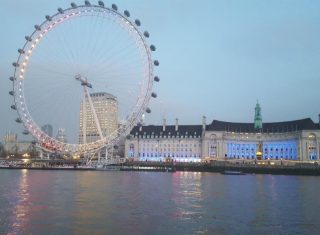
(69, 202)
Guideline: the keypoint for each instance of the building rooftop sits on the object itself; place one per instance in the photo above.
(274, 127)
(183, 130)
(103, 94)
(196, 130)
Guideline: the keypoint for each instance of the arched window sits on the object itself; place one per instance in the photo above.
(131, 150)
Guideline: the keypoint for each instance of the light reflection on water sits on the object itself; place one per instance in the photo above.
(72, 202)
(22, 204)
(188, 195)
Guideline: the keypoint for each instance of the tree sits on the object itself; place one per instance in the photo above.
(2, 151)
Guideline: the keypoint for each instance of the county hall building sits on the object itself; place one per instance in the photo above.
(290, 140)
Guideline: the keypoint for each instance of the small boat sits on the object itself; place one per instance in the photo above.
(108, 167)
(226, 172)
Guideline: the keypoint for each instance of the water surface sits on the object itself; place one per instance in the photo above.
(78, 202)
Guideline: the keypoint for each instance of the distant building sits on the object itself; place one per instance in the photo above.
(10, 137)
(47, 129)
(291, 140)
(2, 150)
(13, 146)
(106, 108)
(61, 135)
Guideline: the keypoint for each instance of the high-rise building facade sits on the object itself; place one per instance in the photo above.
(61, 135)
(106, 109)
(47, 128)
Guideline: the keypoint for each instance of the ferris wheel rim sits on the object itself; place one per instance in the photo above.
(18, 90)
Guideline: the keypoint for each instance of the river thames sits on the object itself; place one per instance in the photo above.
(89, 202)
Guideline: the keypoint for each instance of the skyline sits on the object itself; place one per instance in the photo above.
(215, 62)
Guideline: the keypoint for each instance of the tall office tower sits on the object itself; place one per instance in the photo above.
(47, 128)
(106, 109)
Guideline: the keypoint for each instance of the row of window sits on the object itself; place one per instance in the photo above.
(169, 155)
(274, 150)
(173, 155)
(162, 159)
(168, 150)
(236, 150)
(166, 137)
(169, 145)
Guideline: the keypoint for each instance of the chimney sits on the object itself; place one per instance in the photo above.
(204, 122)
(164, 125)
(141, 122)
(177, 124)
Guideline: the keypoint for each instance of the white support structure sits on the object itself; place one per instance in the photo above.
(84, 120)
(85, 84)
(87, 98)
(93, 112)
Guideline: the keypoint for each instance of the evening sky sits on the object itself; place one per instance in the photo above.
(217, 57)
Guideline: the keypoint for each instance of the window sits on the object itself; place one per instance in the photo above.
(312, 147)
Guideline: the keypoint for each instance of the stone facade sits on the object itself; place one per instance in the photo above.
(294, 140)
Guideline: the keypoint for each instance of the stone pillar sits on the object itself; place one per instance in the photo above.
(204, 145)
(224, 149)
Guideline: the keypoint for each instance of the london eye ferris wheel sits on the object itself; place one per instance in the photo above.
(73, 54)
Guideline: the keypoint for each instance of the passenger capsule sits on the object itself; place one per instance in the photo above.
(49, 18)
(126, 13)
(25, 132)
(146, 34)
(11, 92)
(60, 10)
(148, 110)
(18, 120)
(73, 5)
(28, 38)
(13, 107)
(156, 63)
(128, 137)
(12, 79)
(87, 3)
(37, 27)
(154, 95)
(21, 51)
(114, 7)
(156, 79)
(101, 3)
(15, 64)
(138, 23)
(152, 47)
